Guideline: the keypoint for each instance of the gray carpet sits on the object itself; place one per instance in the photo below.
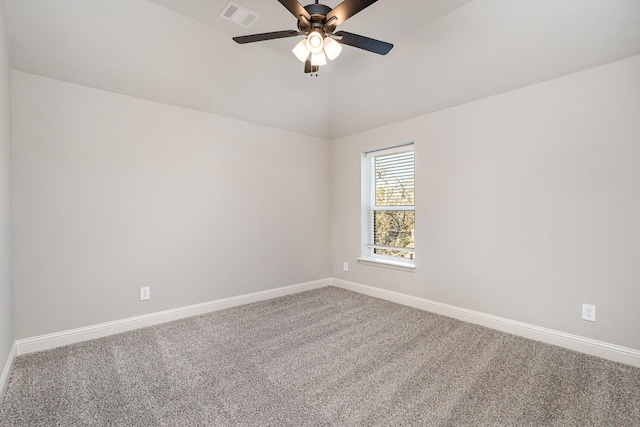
(324, 357)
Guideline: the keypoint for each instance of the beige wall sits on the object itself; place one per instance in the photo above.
(6, 316)
(527, 204)
(111, 193)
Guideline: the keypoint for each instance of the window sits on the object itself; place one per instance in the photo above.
(389, 212)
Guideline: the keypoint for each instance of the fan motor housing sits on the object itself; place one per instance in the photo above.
(317, 9)
(318, 13)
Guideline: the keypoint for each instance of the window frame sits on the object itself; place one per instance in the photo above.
(368, 247)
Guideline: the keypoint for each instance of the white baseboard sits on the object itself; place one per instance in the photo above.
(58, 339)
(6, 372)
(574, 342)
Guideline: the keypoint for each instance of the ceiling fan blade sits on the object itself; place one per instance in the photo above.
(347, 9)
(295, 8)
(366, 43)
(308, 68)
(266, 36)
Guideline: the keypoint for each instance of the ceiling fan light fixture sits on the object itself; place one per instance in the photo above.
(317, 23)
(318, 58)
(300, 51)
(332, 48)
(315, 42)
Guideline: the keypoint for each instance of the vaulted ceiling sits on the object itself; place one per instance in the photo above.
(447, 52)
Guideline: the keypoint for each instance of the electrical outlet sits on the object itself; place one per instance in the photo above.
(589, 312)
(145, 293)
(345, 266)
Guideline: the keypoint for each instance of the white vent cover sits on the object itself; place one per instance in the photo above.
(239, 15)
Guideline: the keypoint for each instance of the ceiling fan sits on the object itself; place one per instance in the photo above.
(318, 22)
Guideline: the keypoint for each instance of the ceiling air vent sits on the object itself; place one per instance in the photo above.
(239, 15)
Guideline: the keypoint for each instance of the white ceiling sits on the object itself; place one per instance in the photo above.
(447, 52)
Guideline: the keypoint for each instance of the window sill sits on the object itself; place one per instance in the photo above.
(408, 265)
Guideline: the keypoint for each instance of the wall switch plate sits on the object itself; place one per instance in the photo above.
(589, 312)
(145, 293)
(345, 266)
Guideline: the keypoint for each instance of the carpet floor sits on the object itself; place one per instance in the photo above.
(323, 357)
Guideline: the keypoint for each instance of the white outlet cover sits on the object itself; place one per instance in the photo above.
(145, 293)
(589, 312)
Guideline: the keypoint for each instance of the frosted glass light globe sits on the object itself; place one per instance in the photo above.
(332, 48)
(300, 51)
(318, 58)
(315, 42)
